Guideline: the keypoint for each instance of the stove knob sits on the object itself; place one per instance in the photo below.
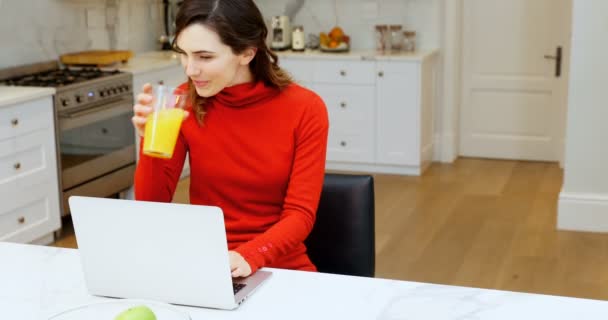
(102, 93)
(79, 99)
(114, 91)
(65, 102)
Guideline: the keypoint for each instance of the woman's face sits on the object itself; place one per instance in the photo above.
(209, 63)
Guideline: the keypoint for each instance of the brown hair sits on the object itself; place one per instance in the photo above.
(240, 26)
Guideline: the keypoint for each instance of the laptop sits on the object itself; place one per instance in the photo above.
(174, 253)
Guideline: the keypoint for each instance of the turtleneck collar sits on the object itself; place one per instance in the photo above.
(245, 94)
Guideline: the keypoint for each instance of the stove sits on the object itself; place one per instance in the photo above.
(59, 77)
(94, 134)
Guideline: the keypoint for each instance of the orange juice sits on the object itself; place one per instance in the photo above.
(161, 133)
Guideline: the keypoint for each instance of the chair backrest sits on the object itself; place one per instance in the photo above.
(342, 240)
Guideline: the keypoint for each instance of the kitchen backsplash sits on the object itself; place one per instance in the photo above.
(358, 17)
(41, 30)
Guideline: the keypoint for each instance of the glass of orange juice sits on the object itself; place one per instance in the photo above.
(162, 127)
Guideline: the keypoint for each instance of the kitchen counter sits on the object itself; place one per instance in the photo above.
(360, 55)
(10, 95)
(150, 61)
(38, 282)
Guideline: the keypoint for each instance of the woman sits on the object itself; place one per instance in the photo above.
(256, 141)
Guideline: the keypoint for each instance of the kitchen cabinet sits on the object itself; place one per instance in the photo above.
(29, 185)
(380, 108)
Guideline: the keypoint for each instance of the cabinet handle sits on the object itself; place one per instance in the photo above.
(381, 74)
(21, 220)
(343, 73)
(343, 143)
(17, 166)
(343, 104)
(15, 122)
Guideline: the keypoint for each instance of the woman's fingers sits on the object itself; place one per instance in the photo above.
(142, 110)
(147, 88)
(239, 272)
(144, 98)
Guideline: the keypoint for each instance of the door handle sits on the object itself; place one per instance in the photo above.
(558, 61)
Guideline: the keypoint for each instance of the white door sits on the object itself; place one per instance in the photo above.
(513, 104)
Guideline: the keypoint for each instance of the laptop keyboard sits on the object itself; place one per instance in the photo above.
(237, 287)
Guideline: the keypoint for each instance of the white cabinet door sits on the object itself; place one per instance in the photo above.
(398, 113)
(29, 186)
(351, 121)
(300, 70)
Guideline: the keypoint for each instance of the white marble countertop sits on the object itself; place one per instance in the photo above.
(10, 95)
(150, 61)
(37, 282)
(156, 60)
(360, 55)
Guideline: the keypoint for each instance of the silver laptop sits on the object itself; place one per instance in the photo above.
(167, 252)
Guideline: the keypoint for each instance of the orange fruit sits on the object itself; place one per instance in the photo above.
(333, 44)
(336, 34)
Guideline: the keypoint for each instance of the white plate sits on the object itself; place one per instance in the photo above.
(108, 310)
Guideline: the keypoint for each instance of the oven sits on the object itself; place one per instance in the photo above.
(96, 147)
(94, 135)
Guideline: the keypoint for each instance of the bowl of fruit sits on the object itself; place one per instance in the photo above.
(334, 41)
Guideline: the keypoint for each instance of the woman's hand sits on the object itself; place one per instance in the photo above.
(238, 266)
(143, 107)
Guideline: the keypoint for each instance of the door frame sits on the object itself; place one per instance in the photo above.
(451, 84)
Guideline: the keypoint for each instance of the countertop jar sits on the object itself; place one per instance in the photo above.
(396, 37)
(380, 36)
(409, 40)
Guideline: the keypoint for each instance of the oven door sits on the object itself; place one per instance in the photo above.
(96, 141)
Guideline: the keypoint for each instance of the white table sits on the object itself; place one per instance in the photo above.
(37, 281)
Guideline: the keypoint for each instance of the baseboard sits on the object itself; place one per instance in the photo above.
(445, 148)
(437, 146)
(582, 212)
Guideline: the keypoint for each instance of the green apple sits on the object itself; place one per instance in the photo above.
(136, 313)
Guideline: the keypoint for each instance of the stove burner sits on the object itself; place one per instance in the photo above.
(59, 77)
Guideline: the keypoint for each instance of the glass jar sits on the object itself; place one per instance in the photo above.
(396, 41)
(380, 37)
(409, 41)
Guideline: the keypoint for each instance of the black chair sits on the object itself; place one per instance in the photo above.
(342, 240)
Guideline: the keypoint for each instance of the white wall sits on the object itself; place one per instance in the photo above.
(583, 203)
(358, 17)
(41, 30)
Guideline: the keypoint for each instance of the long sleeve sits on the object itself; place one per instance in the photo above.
(298, 213)
(156, 179)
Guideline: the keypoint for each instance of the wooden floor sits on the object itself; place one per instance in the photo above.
(479, 223)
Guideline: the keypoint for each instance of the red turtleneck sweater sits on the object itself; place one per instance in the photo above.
(260, 156)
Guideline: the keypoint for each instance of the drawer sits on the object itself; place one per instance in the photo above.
(300, 70)
(399, 67)
(350, 147)
(350, 107)
(344, 72)
(26, 117)
(32, 213)
(27, 159)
